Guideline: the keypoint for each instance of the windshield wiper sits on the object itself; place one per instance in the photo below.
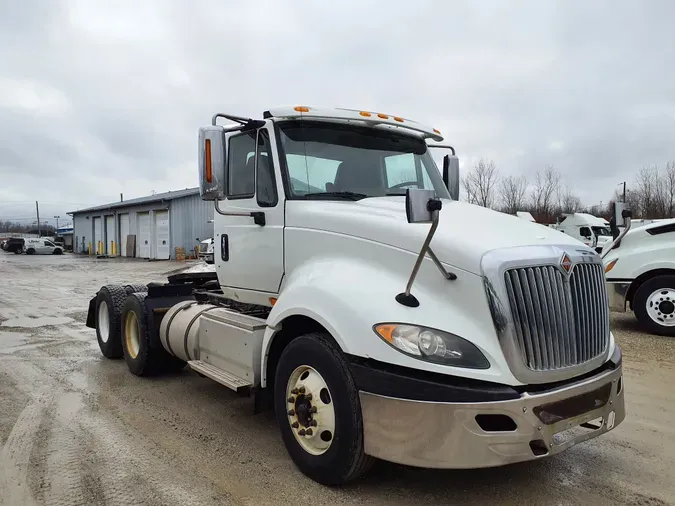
(343, 195)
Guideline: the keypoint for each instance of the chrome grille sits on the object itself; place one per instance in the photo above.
(559, 321)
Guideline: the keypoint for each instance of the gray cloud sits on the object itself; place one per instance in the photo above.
(98, 98)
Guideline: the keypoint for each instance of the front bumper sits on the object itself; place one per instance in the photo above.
(617, 290)
(448, 435)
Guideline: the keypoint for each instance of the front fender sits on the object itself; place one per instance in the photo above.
(349, 296)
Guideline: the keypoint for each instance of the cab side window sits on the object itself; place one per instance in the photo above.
(240, 166)
(585, 232)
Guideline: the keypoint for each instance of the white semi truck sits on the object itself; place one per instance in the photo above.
(640, 272)
(353, 297)
(591, 230)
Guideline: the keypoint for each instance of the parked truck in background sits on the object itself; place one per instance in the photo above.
(352, 296)
(591, 230)
(640, 272)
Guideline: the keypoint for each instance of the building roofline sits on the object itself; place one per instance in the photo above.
(158, 197)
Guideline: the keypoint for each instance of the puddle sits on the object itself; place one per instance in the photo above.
(27, 322)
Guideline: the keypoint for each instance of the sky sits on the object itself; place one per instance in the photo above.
(99, 98)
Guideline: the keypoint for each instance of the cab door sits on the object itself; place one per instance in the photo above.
(249, 240)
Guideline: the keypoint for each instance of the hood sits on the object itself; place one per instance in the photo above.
(465, 231)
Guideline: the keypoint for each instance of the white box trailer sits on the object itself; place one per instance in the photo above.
(361, 311)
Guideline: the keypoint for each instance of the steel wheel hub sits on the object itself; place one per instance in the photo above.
(661, 306)
(310, 410)
(103, 321)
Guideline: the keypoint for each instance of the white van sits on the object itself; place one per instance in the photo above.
(41, 246)
(591, 230)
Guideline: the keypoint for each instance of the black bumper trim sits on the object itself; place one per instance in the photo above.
(403, 383)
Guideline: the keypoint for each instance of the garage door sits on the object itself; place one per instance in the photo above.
(98, 237)
(124, 232)
(162, 235)
(144, 242)
(109, 233)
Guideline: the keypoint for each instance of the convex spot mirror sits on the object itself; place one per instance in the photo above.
(421, 206)
(212, 162)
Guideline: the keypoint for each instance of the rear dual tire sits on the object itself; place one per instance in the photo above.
(109, 305)
(141, 357)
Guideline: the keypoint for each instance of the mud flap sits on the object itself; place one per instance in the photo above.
(91, 314)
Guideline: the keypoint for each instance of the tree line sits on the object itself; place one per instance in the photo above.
(18, 228)
(547, 195)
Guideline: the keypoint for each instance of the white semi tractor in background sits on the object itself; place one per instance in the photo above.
(591, 230)
(352, 296)
(640, 272)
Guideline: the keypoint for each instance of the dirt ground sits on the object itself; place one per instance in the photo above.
(77, 429)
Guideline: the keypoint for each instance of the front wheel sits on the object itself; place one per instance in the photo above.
(654, 305)
(318, 411)
(30, 251)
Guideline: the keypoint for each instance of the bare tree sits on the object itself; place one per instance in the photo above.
(512, 191)
(544, 191)
(480, 183)
(568, 202)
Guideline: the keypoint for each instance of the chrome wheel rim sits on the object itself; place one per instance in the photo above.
(310, 411)
(131, 333)
(661, 306)
(103, 321)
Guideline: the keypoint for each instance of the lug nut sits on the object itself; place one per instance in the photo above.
(291, 412)
(309, 432)
(301, 390)
(313, 423)
(291, 400)
(301, 432)
(294, 391)
(312, 409)
(308, 397)
(295, 425)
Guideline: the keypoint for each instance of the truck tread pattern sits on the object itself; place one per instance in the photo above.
(114, 296)
(135, 288)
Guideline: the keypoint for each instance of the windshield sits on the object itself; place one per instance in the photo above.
(336, 161)
(601, 231)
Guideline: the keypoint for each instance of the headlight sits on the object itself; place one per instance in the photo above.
(432, 345)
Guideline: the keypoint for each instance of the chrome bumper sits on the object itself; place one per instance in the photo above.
(617, 290)
(447, 435)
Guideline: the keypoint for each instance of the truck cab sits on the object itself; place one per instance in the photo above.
(354, 298)
(591, 230)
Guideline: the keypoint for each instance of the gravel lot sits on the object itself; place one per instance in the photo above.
(76, 429)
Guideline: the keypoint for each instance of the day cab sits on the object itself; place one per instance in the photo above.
(394, 330)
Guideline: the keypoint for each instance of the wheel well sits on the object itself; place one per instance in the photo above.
(635, 285)
(291, 327)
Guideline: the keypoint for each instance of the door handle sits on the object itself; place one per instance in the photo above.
(224, 248)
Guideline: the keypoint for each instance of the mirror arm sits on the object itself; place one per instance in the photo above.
(451, 276)
(445, 146)
(258, 216)
(618, 239)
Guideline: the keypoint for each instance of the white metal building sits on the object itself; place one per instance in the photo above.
(156, 225)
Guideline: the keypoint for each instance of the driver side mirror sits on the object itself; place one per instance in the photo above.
(212, 158)
(451, 175)
(621, 216)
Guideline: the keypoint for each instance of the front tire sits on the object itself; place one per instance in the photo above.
(654, 305)
(30, 251)
(109, 306)
(141, 358)
(318, 411)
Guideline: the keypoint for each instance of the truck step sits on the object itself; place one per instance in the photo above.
(220, 376)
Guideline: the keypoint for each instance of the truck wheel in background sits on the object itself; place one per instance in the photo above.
(654, 305)
(141, 358)
(17, 251)
(109, 305)
(135, 288)
(318, 411)
(30, 251)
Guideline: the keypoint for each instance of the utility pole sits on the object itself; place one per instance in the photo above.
(624, 192)
(37, 210)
